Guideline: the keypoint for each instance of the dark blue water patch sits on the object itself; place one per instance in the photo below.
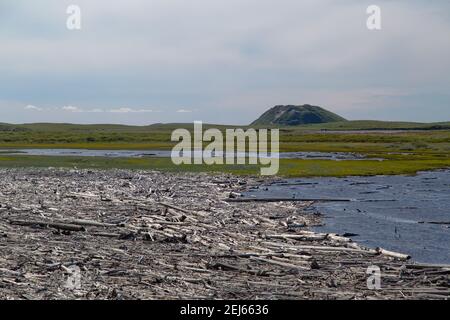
(393, 212)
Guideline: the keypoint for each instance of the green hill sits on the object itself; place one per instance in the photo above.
(291, 115)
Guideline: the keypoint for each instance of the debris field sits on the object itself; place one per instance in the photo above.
(124, 234)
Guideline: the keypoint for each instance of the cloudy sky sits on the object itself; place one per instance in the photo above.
(222, 61)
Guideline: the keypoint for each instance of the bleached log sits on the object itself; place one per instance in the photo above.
(392, 254)
(288, 200)
(92, 223)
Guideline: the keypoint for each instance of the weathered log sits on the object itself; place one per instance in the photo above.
(300, 237)
(324, 248)
(288, 200)
(392, 254)
(83, 222)
(428, 265)
(48, 224)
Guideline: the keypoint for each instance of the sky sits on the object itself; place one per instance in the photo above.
(222, 61)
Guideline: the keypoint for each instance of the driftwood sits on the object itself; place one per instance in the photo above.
(88, 223)
(310, 236)
(288, 200)
(61, 226)
(396, 255)
(151, 235)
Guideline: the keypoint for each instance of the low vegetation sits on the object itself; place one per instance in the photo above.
(404, 151)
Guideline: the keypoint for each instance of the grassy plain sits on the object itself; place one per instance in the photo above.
(405, 151)
(288, 167)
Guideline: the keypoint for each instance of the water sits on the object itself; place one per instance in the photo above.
(337, 156)
(89, 153)
(392, 212)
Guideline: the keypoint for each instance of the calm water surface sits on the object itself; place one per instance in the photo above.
(393, 212)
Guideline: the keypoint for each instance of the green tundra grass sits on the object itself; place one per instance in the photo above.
(288, 167)
(405, 151)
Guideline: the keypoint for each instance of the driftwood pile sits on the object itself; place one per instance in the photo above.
(121, 234)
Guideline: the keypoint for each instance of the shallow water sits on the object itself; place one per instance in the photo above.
(392, 212)
(167, 153)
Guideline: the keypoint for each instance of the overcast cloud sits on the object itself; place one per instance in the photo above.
(147, 61)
